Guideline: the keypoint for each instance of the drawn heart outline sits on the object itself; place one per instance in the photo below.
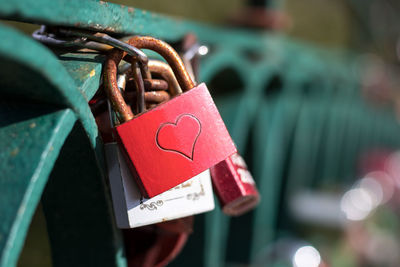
(175, 124)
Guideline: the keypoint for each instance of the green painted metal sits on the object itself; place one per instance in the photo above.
(85, 69)
(269, 166)
(33, 134)
(28, 60)
(104, 16)
(29, 148)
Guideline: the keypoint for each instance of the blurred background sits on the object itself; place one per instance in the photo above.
(322, 143)
(363, 26)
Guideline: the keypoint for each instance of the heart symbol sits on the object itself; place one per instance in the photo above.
(179, 136)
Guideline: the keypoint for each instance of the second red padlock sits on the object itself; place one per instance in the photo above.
(234, 186)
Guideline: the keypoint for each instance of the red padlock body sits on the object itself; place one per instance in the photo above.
(175, 141)
(234, 186)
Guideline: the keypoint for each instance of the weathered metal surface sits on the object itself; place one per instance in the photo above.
(85, 69)
(32, 72)
(104, 16)
(31, 137)
(32, 134)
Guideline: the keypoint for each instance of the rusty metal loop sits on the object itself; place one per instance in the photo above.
(150, 106)
(123, 111)
(151, 97)
(161, 68)
(144, 67)
(169, 54)
(167, 74)
(157, 97)
(155, 85)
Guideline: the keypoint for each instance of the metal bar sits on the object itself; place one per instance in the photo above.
(117, 19)
(28, 151)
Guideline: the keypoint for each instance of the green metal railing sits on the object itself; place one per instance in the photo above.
(291, 108)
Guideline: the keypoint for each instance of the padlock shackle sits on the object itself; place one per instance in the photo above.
(169, 54)
(123, 111)
(161, 68)
(167, 74)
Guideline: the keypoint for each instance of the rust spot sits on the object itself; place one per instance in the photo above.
(77, 24)
(99, 27)
(131, 9)
(102, 2)
(32, 125)
(111, 29)
(92, 73)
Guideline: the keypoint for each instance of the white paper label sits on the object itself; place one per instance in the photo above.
(132, 210)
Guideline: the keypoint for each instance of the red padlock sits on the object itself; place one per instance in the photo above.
(174, 141)
(234, 185)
